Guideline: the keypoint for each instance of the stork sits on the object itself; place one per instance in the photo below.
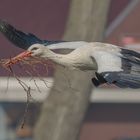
(113, 65)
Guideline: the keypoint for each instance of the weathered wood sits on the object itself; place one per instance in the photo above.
(64, 109)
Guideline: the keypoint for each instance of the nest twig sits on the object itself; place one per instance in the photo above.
(30, 71)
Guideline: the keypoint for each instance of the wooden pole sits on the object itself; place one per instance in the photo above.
(64, 109)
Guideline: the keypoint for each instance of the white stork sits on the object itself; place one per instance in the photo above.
(113, 65)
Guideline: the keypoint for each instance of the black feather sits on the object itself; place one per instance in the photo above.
(95, 81)
(129, 77)
(132, 57)
(98, 80)
(122, 79)
(21, 39)
(130, 61)
(127, 52)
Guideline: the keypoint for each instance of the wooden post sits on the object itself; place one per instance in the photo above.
(63, 111)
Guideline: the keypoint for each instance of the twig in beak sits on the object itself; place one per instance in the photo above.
(17, 58)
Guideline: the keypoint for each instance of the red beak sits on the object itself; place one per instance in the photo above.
(23, 55)
(18, 58)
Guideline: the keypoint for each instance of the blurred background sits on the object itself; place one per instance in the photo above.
(113, 113)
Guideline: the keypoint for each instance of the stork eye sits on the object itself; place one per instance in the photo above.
(35, 48)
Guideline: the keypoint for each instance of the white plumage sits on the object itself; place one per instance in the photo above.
(90, 56)
(111, 63)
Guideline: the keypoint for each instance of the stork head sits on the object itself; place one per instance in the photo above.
(37, 50)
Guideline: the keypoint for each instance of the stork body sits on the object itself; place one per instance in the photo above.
(112, 64)
(91, 56)
(77, 59)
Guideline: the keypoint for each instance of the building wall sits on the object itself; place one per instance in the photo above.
(128, 26)
(110, 121)
(116, 7)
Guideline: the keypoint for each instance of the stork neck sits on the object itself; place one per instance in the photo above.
(57, 58)
(49, 54)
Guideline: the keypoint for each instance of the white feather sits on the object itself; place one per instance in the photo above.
(68, 45)
(107, 61)
(106, 56)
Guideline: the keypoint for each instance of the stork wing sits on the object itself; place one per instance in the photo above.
(25, 40)
(21, 39)
(17, 37)
(117, 66)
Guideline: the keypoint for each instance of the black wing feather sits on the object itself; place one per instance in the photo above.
(18, 38)
(21, 39)
(122, 79)
(130, 76)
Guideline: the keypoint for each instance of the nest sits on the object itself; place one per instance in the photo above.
(20, 60)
